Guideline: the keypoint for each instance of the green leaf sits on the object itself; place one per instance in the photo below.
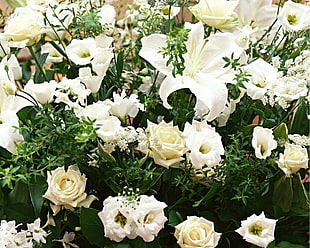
(285, 244)
(92, 227)
(174, 218)
(283, 193)
(19, 194)
(37, 187)
(302, 194)
(281, 132)
(208, 196)
(299, 122)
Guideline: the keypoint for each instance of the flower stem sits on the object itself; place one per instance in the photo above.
(35, 57)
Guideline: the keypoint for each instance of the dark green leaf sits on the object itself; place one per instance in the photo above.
(37, 187)
(285, 244)
(283, 193)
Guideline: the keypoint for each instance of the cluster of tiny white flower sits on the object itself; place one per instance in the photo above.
(11, 237)
(293, 84)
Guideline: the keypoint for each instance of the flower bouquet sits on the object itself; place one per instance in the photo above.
(155, 124)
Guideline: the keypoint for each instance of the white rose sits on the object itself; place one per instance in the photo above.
(196, 232)
(294, 158)
(166, 143)
(216, 13)
(258, 230)
(24, 27)
(43, 92)
(149, 217)
(66, 188)
(263, 142)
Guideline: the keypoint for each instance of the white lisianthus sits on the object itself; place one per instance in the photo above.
(7, 82)
(116, 218)
(24, 27)
(149, 217)
(81, 52)
(294, 158)
(166, 143)
(131, 217)
(91, 82)
(121, 106)
(95, 111)
(173, 11)
(258, 230)
(204, 74)
(43, 92)
(66, 188)
(11, 64)
(101, 61)
(107, 18)
(216, 13)
(204, 144)
(108, 128)
(53, 56)
(294, 16)
(59, 19)
(263, 142)
(196, 232)
(262, 75)
(4, 47)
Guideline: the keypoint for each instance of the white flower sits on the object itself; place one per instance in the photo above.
(257, 14)
(38, 233)
(121, 106)
(204, 144)
(196, 232)
(91, 82)
(149, 217)
(107, 18)
(7, 82)
(263, 142)
(40, 5)
(216, 13)
(81, 52)
(24, 27)
(4, 48)
(43, 92)
(262, 75)
(258, 230)
(66, 240)
(116, 218)
(59, 19)
(294, 158)
(96, 111)
(66, 188)
(108, 128)
(54, 56)
(295, 16)
(11, 64)
(166, 143)
(204, 72)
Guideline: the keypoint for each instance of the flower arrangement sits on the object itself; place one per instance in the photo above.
(155, 124)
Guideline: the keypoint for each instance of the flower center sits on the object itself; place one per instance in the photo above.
(292, 19)
(256, 229)
(120, 219)
(205, 149)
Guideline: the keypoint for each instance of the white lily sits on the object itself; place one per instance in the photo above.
(204, 72)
